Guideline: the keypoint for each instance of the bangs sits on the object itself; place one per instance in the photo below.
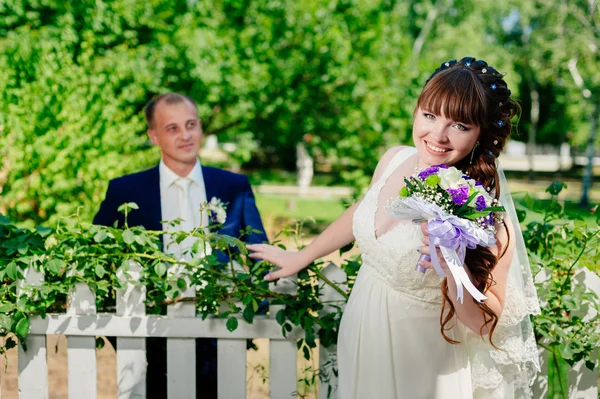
(457, 95)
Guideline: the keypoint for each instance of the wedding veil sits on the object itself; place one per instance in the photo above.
(509, 371)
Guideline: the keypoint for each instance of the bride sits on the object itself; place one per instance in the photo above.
(404, 334)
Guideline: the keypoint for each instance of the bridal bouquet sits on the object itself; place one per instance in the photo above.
(460, 212)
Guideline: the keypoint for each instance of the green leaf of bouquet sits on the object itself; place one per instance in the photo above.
(22, 328)
(232, 324)
(160, 269)
(432, 180)
(128, 237)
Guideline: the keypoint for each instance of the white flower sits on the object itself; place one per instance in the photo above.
(216, 210)
(450, 178)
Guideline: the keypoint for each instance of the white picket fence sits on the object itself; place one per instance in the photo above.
(81, 324)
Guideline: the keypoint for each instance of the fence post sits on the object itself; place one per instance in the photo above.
(181, 352)
(131, 352)
(81, 355)
(282, 353)
(231, 359)
(33, 365)
(328, 383)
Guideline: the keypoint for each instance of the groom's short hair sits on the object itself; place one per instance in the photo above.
(169, 98)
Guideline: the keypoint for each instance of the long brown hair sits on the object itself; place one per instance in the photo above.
(472, 92)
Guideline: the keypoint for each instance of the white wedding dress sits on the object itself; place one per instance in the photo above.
(389, 344)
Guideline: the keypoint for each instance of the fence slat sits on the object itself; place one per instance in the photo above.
(282, 354)
(231, 368)
(81, 355)
(328, 356)
(181, 352)
(131, 352)
(33, 366)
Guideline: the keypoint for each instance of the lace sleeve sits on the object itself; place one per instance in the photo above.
(509, 371)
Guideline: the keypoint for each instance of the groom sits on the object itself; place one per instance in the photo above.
(176, 188)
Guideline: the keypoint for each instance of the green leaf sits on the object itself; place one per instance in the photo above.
(128, 237)
(10, 343)
(181, 284)
(6, 307)
(100, 271)
(5, 323)
(558, 377)
(521, 215)
(12, 271)
(280, 317)
(529, 201)
(55, 266)
(571, 304)
(100, 236)
(43, 231)
(22, 328)
(232, 324)
(4, 220)
(248, 314)
(566, 352)
(160, 269)
(100, 342)
(556, 187)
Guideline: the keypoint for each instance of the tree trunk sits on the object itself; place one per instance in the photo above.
(535, 117)
(588, 174)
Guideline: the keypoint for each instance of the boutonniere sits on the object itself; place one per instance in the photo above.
(217, 210)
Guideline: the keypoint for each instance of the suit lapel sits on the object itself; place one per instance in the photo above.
(210, 185)
(154, 204)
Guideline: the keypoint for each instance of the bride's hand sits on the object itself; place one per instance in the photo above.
(289, 262)
(425, 250)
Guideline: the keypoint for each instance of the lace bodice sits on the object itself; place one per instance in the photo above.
(393, 255)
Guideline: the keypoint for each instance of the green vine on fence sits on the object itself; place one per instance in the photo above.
(77, 252)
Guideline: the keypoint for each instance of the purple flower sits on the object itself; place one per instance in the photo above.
(432, 170)
(480, 203)
(459, 195)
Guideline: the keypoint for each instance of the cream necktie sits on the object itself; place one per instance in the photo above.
(186, 212)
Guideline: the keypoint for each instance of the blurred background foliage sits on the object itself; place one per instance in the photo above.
(343, 75)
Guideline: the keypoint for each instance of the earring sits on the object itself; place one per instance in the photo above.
(473, 152)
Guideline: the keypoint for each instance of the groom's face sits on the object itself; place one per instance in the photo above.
(177, 131)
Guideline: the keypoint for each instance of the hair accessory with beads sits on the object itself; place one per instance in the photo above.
(447, 64)
(500, 123)
(491, 154)
(483, 70)
(495, 142)
(493, 86)
(467, 64)
(500, 103)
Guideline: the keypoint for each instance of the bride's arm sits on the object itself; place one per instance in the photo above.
(468, 312)
(338, 234)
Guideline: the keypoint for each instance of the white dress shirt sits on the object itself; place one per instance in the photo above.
(170, 197)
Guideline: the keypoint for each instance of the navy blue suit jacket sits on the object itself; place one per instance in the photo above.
(143, 188)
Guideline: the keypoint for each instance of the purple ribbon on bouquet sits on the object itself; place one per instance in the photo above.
(453, 240)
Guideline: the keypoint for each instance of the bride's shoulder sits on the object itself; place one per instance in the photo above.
(386, 159)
